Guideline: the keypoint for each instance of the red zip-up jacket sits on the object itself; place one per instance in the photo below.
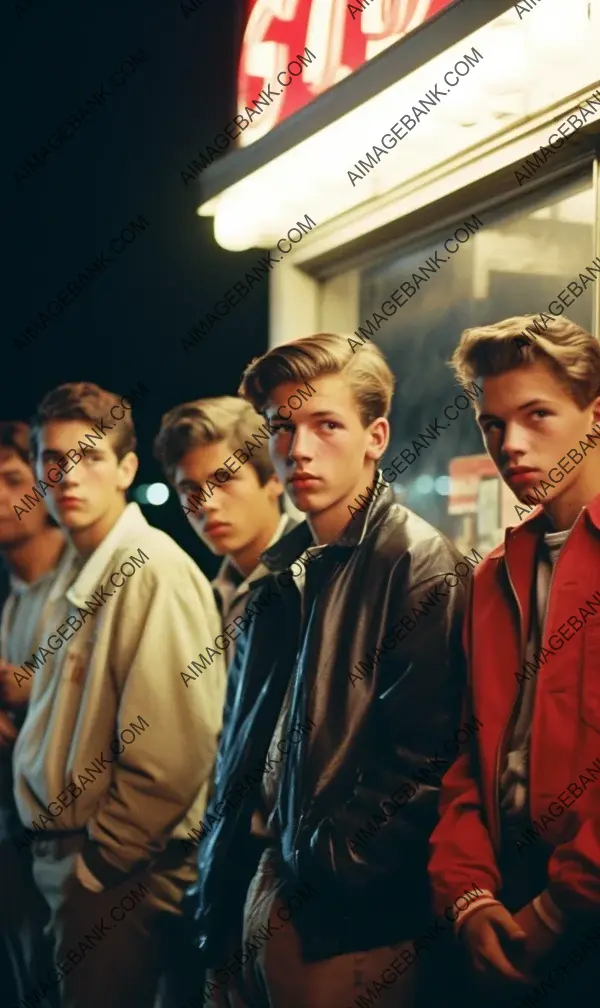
(565, 736)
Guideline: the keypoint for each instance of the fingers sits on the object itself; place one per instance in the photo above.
(491, 957)
(513, 931)
(7, 735)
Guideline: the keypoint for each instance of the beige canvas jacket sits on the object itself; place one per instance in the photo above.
(113, 743)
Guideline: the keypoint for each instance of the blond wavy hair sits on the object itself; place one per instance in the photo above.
(571, 352)
(366, 371)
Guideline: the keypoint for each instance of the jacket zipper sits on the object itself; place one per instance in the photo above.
(305, 613)
(509, 722)
(303, 813)
(510, 719)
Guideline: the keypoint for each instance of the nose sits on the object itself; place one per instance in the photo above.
(70, 478)
(208, 507)
(301, 444)
(514, 444)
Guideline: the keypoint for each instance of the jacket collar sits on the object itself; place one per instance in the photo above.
(66, 562)
(230, 581)
(520, 546)
(280, 556)
(593, 510)
(537, 523)
(95, 568)
(64, 572)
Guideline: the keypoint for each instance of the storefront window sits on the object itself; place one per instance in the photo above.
(512, 262)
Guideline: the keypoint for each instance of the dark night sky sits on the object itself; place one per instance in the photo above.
(124, 160)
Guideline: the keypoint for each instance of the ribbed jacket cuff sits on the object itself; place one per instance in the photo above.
(487, 898)
(548, 912)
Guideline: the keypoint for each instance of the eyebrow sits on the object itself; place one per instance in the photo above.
(54, 453)
(186, 484)
(486, 416)
(532, 402)
(319, 413)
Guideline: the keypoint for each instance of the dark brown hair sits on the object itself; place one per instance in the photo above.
(14, 437)
(85, 401)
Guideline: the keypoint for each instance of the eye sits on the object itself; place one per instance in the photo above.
(492, 425)
(541, 412)
(277, 428)
(331, 424)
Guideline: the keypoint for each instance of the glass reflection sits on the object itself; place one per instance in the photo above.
(516, 263)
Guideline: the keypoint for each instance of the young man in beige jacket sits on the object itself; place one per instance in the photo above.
(112, 762)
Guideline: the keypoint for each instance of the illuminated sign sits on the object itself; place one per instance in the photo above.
(466, 473)
(342, 36)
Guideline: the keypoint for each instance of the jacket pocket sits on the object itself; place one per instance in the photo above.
(590, 680)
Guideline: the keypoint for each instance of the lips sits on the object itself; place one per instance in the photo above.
(68, 501)
(215, 527)
(300, 478)
(519, 471)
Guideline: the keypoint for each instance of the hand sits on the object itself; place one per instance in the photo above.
(13, 694)
(8, 731)
(85, 877)
(484, 932)
(539, 941)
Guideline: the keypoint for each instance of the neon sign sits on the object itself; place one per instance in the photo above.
(342, 36)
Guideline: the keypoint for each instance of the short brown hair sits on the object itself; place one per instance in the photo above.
(207, 421)
(85, 401)
(571, 352)
(14, 437)
(367, 372)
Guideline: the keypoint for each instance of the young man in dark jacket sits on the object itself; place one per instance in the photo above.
(234, 508)
(351, 674)
(236, 511)
(33, 551)
(520, 815)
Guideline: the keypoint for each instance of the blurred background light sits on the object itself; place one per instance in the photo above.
(139, 493)
(151, 493)
(424, 485)
(157, 493)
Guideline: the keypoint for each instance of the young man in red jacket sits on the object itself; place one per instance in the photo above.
(520, 812)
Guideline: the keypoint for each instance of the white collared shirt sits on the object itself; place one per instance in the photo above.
(26, 610)
(231, 584)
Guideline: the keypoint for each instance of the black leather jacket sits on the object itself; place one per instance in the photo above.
(370, 735)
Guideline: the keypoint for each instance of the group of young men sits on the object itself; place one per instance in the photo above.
(325, 779)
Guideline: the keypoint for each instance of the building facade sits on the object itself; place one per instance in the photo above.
(417, 167)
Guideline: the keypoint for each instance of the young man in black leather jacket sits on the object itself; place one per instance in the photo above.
(351, 673)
